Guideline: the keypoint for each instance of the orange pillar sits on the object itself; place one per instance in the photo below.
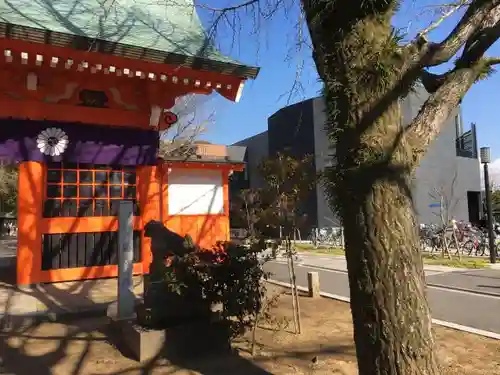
(163, 170)
(29, 214)
(148, 195)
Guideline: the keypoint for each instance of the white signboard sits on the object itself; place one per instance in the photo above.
(195, 192)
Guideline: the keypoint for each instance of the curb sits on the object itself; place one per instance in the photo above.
(455, 326)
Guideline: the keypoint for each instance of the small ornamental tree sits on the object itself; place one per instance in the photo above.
(247, 209)
(288, 182)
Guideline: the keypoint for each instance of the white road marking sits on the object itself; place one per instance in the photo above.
(458, 327)
(475, 294)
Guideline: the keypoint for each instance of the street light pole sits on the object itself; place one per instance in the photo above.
(485, 159)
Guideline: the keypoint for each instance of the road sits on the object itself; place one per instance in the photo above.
(455, 306)
(8, 247)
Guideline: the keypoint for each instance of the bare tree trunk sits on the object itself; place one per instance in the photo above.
(445, 249)
(457, 244)
(254, 333)
(296, 295)
(292, 285)
(387, 286)
(445, 221)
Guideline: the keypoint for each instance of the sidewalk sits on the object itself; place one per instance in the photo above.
(338, 263)
(59, 298)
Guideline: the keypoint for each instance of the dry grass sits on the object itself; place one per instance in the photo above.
(455, 262)
(432, 259)
(320, 250)
(324, 347)
(328, 335)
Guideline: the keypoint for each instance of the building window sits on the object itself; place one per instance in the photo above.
(74, 190)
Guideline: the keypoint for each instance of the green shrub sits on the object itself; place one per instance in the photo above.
(187, 283)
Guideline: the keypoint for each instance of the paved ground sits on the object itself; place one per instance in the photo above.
(486, 281)
(8, 247)
(339, 263)
(52, 298)
(58, 298)
(460, 307)
(480, 281)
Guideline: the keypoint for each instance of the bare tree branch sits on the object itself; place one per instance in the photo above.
(264, 10)
(492, 60)
(477, 14)
(449, 9)
(448, 89)
(482, 40)
(180, 139)
(229, 8)
(445, 193)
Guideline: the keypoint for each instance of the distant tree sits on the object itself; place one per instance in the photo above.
(495, 197)
(194, 117)
(8, 189)
(288, 182)
(246, 210)
(445, 194)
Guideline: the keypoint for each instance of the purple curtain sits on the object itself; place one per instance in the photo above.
(49, 141)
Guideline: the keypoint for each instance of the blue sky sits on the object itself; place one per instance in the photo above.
(270, 49)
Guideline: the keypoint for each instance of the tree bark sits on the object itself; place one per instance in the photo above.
(365, 74)
(391, 317)
(366, 71)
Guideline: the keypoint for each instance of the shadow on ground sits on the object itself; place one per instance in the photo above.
(84, 347)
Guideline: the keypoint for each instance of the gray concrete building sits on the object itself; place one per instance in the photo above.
(447, 181)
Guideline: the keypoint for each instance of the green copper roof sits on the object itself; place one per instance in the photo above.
(167, 31)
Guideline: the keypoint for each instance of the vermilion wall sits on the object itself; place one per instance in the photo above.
(32, 226)
(205, 229)
(152, 195)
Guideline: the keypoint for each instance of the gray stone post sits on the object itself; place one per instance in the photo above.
(313, 284)
(126, 298)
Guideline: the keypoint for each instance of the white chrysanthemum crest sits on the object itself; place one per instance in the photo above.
(52, 141)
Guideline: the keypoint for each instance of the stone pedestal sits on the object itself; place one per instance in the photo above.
(143, 344)
(191, 339)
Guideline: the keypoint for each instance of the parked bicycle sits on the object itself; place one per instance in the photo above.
(332, 237)
(461, 238)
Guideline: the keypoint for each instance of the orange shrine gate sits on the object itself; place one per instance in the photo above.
(83, 97)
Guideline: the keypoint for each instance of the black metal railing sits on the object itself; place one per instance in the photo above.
(466, 144)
